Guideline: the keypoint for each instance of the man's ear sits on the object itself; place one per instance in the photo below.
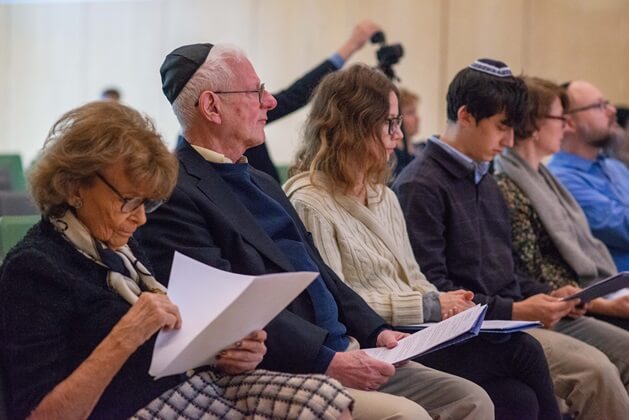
(210, 107)
(464, 118)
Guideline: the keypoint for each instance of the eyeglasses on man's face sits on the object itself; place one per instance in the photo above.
(600, 105)
(557, 117)
(130, 204)
(394, 122)
(260, 91)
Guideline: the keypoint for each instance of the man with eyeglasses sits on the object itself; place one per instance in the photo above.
(229, 215)
(599, 184)
(298, 93)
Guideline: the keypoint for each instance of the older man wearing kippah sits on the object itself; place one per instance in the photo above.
(231, 216)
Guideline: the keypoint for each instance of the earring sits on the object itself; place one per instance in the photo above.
(77, 203)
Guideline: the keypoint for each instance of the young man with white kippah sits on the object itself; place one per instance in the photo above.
(460, 231)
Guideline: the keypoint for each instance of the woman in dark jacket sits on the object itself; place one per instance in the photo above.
(79, 309)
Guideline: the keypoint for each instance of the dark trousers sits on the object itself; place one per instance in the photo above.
(512, 369)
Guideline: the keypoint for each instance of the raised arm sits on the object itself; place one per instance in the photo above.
(359, 37)
(298, 93)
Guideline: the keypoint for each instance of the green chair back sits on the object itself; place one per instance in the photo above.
(12, 163)
(13, 229)
(282, 171)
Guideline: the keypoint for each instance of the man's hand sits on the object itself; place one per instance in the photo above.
(244, 355)
(360, 35)
(579, 310)
(354, 369)
(389, 338)
(454, 302)
(565, 291)
(613, 307)
(544, 308)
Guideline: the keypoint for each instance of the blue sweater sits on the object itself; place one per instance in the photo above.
(601, 187)
(274, 220)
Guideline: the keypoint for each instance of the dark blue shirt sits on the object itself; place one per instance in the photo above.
(601, 187)
(276, 222)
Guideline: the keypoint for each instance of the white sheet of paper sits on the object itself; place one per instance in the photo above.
(217, 309)
(422, 341)
(618, 293)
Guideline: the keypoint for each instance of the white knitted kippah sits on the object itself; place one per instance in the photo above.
(493, 67)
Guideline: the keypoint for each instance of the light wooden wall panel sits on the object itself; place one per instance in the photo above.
(323, 26)
(126, 55)
(315, 34)
(57, 55)
(488, 28)
(4, 75)
(580, 39)
(45, 74)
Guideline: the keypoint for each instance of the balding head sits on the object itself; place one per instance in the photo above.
(591, 119)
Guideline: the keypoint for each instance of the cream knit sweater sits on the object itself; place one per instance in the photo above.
(367, 246)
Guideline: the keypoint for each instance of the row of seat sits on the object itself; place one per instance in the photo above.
(12, 229)
(12, 173)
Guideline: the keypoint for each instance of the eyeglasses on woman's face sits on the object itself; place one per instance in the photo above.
(558, 118)
(394, 123)
(130, 204)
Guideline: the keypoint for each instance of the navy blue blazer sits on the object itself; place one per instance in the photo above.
(205, 220)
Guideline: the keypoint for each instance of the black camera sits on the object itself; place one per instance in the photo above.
(387, 55)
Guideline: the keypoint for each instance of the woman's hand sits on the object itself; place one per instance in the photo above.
(244, 355)
(76, 396)
(454, 302)
(150, 313)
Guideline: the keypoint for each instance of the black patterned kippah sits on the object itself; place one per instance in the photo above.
(493, 67)
(179, 66)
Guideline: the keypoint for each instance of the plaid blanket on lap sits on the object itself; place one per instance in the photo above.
(259, 394)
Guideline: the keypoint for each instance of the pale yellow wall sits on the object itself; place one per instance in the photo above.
(57, 55)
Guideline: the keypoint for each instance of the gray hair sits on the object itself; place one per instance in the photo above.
(215, 73)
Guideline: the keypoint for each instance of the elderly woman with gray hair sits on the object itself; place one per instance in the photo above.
(79, 308)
